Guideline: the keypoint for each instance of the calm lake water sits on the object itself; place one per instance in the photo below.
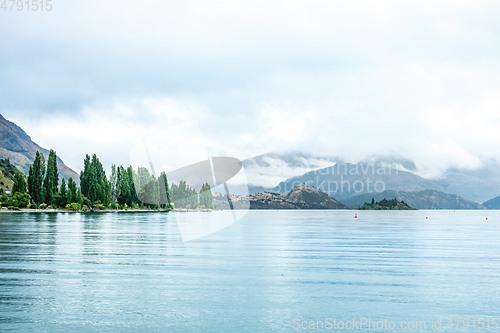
(271, 271)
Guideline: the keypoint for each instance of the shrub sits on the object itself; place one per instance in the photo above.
(99, 207)
(73, 206)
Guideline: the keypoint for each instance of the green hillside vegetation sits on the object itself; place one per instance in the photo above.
(385, 204)
(7, 172)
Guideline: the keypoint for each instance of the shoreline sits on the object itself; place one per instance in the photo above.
(27, 210)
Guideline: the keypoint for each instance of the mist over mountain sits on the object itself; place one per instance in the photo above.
(264, 171)
(344, 180)
(385, 172)
(479, 184)
(16, 145)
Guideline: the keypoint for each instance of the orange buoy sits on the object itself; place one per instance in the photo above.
(486, 218)
(426, 217)
(355, 216)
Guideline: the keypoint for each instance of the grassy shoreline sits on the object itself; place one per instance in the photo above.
(130, 210)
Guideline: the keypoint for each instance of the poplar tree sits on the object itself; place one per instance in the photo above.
(85, 176)
(93, 182)
(35, 178)
(133, 191)
(51, 178)
(164, 192)
(113, 179)
(30, 180)
(71, 194)
(61, 198)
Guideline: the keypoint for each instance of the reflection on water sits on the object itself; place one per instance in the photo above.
(131, 271)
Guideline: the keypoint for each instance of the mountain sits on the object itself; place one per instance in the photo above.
(16, 145)
(427, 199)
(478, 184)
(344, 180)
(301, 197)
(492, 203)
(388, 172)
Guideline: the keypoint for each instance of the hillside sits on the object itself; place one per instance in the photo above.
(7, 172)
(427, 199)
(492, 203)
(16, 145)
(301, 197)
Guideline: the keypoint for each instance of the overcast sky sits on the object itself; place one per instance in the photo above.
(349, 78)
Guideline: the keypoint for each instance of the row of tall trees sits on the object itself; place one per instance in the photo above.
(96, 190)
(184, 196)
(43, 182)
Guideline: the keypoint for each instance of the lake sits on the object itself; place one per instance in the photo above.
(271, 271)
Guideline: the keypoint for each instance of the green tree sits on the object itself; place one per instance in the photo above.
(61, 198)
(79, 197)
(19, 183)
(51, 178)
(206, 196)
(30, 180)
(85, 175)
(133, 192)
(113, 180)
(149, 192)
(71, 194)
(123, 186)
(16, 200)
(165, 200)
(35, 179)
(93, 182)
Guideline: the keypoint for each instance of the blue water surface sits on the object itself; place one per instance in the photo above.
(271, 271)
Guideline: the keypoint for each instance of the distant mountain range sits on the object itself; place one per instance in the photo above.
(426, 199)
(376, 174)
(16, 145)
(344, 180)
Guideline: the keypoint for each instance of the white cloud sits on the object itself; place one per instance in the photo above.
(349, 78)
